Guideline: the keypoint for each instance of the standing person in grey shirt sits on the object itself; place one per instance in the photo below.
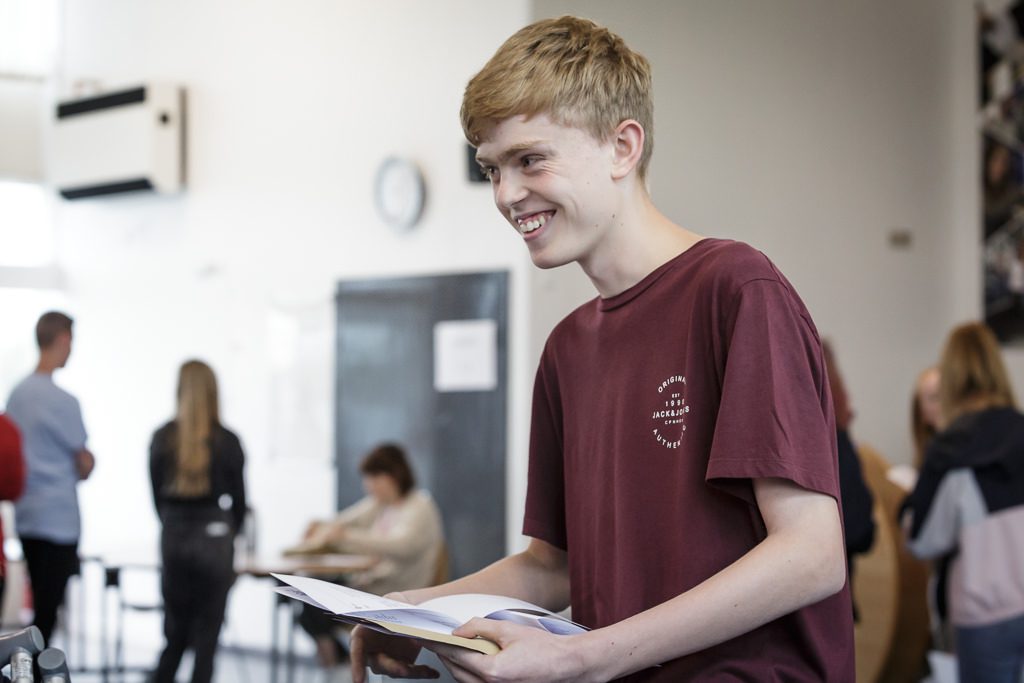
(56, 459)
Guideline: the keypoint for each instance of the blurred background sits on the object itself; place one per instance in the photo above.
(839, 138)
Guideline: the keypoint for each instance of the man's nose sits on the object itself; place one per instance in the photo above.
(509, 191)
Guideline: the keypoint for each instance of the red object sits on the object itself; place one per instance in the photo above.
(12, 472)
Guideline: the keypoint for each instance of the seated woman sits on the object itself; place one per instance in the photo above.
(395, 523)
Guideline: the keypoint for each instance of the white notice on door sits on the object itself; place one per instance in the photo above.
(466, 355)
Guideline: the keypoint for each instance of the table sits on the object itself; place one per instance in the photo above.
(306, 565)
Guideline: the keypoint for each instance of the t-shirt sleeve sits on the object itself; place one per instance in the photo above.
(775, 418)
(545, 494)
(70, 425)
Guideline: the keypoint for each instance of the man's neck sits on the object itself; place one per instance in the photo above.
(642, 240)
(47, 365)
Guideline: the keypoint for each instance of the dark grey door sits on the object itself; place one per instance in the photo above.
(386, 392)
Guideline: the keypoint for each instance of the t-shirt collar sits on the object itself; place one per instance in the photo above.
(622, 298)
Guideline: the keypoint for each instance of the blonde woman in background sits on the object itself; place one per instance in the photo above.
(968, 507)
(196, 468)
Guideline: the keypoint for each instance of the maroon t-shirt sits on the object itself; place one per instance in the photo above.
(653, 411)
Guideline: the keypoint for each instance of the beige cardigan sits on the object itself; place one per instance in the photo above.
(406, 537)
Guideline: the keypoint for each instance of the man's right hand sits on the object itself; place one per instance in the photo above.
(85, 461)
(392, 656)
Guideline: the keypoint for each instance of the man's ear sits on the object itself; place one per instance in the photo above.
(627, 148)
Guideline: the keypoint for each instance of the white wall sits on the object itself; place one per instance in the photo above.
(810, 130)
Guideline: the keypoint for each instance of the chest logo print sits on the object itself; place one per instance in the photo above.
(669, 417)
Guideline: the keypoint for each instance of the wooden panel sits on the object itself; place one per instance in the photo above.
(890, 587)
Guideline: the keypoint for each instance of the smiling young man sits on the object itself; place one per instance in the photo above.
(683, 475)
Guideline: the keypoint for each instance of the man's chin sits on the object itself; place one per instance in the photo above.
(547, 261)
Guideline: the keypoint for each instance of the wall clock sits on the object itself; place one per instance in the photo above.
(399, 192)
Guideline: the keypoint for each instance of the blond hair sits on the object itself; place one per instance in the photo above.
(972, 374)
(197, 415)
(579, 73)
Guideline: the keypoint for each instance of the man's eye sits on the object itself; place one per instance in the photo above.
(488, 172)
(528, 161)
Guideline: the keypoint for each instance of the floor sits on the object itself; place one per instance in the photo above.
(232, 667)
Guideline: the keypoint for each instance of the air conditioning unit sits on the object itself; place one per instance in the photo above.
(126, 141)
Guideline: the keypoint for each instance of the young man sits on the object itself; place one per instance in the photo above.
(46, 515)
(683, 476)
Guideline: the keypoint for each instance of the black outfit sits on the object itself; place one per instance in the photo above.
(50, 565)
(857, 501)
(857, 505)
(197, 549)
(318, 623)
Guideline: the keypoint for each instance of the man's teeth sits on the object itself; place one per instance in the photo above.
(532, 224)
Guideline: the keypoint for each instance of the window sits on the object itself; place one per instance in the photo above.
(28, 38)
(26, 225)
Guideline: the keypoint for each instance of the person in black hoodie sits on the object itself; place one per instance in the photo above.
(968, 507)
(857, 501)
(196, 470)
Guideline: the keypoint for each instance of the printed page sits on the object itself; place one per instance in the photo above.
(468, 605)
(343, 600)
(340, 599)
(550, 623)
(433, 620)
(428, 620)
(296, 594)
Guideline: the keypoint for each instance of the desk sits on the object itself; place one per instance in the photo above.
(305, 565)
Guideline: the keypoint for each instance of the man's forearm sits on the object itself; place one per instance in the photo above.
(538, 575)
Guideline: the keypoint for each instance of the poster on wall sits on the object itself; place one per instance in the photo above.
(1001, 109)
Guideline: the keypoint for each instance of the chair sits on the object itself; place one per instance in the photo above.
(890, 587)
(114, 579)
(442, 567)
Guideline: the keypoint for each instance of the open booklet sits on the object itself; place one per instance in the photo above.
(431, 620)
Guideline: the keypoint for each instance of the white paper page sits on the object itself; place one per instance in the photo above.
(344, 600)
(420, 618)
(466, 355)
(552, 624)
(296, 594)
(340, 599)
(469, 605)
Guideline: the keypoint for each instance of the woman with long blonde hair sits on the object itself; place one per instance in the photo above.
(968, 506)
(196, 467)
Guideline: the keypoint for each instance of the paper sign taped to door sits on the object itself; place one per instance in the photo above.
(466, 355)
